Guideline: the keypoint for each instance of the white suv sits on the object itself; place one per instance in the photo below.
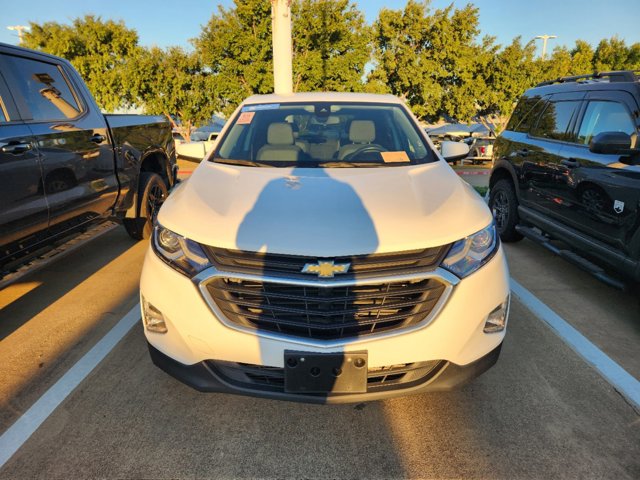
(325, 252)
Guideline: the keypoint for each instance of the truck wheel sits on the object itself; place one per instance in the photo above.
(152, 192)
(503, 203)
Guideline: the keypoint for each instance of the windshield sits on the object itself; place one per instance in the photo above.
(323, 135)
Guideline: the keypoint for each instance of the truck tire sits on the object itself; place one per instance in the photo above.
(503, 203)
(152, 192)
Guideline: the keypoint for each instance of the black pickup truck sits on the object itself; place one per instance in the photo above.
(64, 165)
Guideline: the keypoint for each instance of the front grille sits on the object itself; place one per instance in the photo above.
(391, 377)
(325, 312)
(227, 260)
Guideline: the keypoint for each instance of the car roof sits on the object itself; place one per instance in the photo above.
(17, 50)
(618, 80)
(323, 97)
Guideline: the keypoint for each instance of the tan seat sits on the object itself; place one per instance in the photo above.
(280, 144)
(361, 132)
(324, 151)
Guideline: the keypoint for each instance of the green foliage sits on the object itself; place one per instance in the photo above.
(235, 46)
(582, 58)
(611, 54)
(432, 60)
(510, 72)
(330, 46)
(174, 83)
(404, 58)
(559, 65)
(98, 49)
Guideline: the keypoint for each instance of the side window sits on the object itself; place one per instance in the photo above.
(602, 116)
(43, 87)
(3, 116)
(554, 121)
(525, 114)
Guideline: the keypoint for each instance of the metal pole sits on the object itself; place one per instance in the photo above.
(20, 29)
(282, 46)
(545, 38)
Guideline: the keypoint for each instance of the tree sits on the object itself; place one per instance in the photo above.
(611, 54)
(98, 49)
(235, 46)
(173, 83)
(403, 61)
(559, 64)
(330, 45)
(511, 71)
(633, 60)
(330, 48)
(582, 58)
(432, 60)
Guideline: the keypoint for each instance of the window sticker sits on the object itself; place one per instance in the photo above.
(257, 108)
(245, 118)
(395, 157)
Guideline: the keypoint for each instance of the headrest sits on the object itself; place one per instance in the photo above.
(362, 131)
(280, 134)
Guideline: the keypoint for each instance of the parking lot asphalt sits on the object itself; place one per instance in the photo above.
(606, 316)
(540, 412)
(48, 320)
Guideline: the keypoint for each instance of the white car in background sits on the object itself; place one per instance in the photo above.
(201, 141)
(197, 149)
(325, 252)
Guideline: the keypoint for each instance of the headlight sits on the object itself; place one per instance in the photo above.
(469, 254)
(183, 254)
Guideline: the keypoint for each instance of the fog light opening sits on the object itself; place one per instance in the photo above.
(497, 319)
(153, 318)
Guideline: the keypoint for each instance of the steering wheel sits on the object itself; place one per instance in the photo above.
(369, 148)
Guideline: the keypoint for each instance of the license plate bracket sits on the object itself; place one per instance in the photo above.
(306, 372)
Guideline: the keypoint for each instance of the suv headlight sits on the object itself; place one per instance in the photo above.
(184, 255)
(469, 254)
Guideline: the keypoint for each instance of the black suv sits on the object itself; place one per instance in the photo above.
(567, 172)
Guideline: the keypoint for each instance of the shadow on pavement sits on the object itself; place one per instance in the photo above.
(59, 278)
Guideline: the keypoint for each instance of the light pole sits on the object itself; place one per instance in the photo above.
(544, 43)
(20, 29)
(282, 50)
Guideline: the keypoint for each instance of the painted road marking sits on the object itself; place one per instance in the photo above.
(28, 423)
(613, 373)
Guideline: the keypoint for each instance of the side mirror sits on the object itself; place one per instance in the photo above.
(452, 151)
(213, 136)
(610, 143)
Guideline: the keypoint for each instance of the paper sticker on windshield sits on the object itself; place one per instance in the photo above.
(395, 157)
(245, 118)
(257, 108)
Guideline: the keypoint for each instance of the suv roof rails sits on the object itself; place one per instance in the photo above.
(617, 76)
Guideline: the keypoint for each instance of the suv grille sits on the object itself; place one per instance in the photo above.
(379, 264)
(325, 312)
(390, 377)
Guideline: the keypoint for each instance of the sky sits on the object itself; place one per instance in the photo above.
(175, 22)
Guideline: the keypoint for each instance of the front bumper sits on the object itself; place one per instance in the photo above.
(205, 379)
(196, 337)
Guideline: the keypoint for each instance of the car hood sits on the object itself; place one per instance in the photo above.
(324, 212)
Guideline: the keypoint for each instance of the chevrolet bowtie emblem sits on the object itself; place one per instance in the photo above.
(326, 268)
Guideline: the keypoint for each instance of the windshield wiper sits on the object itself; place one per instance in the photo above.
(246, 163)
(349, 164)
